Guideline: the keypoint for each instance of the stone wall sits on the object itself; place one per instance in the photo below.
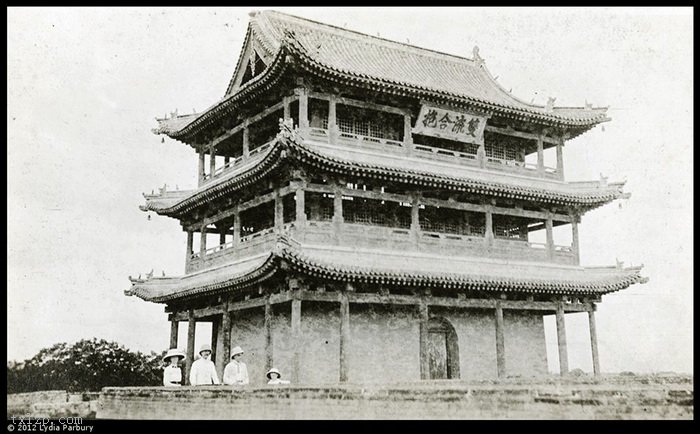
(52, 404)
(445, 399)
(384, 343)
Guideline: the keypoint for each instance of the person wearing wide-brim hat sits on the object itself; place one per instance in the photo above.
(172, 375)
(275, 377)
(203, 370)
(236, 372)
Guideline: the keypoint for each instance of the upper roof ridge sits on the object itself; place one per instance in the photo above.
(359, 35)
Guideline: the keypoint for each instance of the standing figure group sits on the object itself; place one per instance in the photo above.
(203, 370)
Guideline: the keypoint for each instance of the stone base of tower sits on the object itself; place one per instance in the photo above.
(384, 344)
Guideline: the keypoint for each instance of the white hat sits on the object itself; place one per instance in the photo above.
(174, 352)
(205, 347)
(236, 350)
(273, 371)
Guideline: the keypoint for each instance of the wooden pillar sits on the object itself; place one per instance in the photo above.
(246, 141)
(268, 334)
(549, 226)
(236, 228)
(540, 154)
(300, 205)
(215, 340)
(561, 340)
(227, 160)
(200, 170)
(279, 211)
(415, 219)
(174, 326)
(338, 218)
(488, 230)
(286, 107)
(303, 108)
(594, 340)
(212, 163)
(296, 339)
(203, 242)
(190, 241)
(500, 342)
(407, 135)
(560, 159)
(423, 340)
(191, 325)
(225, 338)
(574, 241)
(332, 122)
(481, 155)
(344, 336)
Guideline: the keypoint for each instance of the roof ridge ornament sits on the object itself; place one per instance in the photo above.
(550, 104)
(476, 57)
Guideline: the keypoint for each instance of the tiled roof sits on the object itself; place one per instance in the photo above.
(392, 268)
(345, 56)
(422, 172)
(368, 56)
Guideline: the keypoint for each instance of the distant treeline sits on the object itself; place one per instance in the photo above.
(87, 365)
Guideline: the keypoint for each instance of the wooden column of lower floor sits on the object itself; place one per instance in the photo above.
(423, 340)
(500, 342)
(594, 342)
(215, 338)
(561, 340)
(224, 346)
(269, 357)
(344, 336)
(174, 328)
(191, 326)
(296, 339)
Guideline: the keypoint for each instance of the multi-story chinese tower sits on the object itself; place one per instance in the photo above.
(367, 210)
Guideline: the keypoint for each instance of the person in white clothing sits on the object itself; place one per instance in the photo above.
(236, 372)
(203, 370)
(172, 375)
(275, 377)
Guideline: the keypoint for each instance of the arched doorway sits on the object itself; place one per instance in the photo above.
(443, 350)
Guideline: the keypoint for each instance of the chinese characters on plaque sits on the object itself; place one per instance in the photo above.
(449, 124)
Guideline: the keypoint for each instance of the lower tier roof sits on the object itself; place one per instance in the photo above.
(398, 268)
(375, 165)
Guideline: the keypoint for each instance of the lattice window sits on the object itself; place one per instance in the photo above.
(319, 206)
(503, 151)
(369, 123)
(377, 213)
(515, 228)
(452, 221)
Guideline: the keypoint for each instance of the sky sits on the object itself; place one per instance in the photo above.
(85, 85)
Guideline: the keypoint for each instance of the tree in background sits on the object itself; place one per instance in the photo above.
(87, 365)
